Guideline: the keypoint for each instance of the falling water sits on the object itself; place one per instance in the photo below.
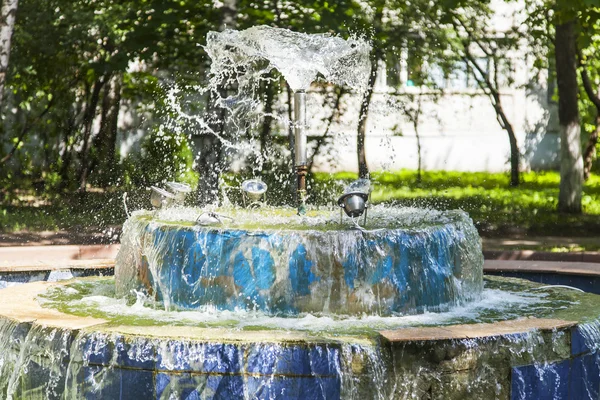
(407, 261)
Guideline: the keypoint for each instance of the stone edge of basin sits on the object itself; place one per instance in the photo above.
(19, 304)
(472, 331)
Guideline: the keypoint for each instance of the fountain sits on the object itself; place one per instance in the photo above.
(297, 303)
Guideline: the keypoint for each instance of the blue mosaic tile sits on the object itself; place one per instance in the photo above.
(138, 353)
(191, 386)
(200, 266)
(324, 360)
(37, 380)
(101, 383)
(578, 343)
(540, 382)
(200, 357)
(117, 383)
(95, 352)
(585, 377)
(161, 382)
(136, 384)
(293, 388)
(270, 359)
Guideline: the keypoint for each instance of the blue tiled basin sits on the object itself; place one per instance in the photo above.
(398, 266)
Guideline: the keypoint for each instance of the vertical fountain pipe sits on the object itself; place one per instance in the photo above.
(300, 147)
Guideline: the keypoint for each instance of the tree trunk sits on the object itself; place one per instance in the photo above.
(363, 168)
(335, 113)
(209, 148)
(208, 161)
(515, 155)
(488, 81)
(88, 121)
(67, 155)
(7, 24)
(105, 141)
(419, 159)
(590, 148)
(113, 124)
(291, 137)
(265, 132)
(571, 161)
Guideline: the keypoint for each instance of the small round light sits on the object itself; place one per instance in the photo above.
(180, 190)
(353, 203)
(254, 188)
(160, 197)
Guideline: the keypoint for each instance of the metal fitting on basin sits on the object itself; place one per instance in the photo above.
(180, 190)
(160, 198)
(253, 190)
(354, 204)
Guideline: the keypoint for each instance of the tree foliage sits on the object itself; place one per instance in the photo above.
(87, 76)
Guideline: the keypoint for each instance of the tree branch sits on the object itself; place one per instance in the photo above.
(587, 85)
(25, 130)
(321, 139)
(471, 36)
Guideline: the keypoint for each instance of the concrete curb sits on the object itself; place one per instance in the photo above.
(543, 267)
(33, 254)
(533, 255)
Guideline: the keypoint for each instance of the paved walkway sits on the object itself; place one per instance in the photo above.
(590, 243)
(31, 254)
(58, 238)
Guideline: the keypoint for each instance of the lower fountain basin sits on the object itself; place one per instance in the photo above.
(74, 340)
(406, 261)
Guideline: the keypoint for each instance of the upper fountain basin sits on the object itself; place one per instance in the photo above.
(406, 261)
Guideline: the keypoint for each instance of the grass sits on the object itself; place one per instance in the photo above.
(496, 208)
(76, 213)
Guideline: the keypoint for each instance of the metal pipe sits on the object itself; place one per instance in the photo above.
(300, 127)
(300, 148)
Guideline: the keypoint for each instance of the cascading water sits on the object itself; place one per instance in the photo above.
(268, 304)
(409, 261)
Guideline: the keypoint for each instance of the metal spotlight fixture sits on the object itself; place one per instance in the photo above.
(354, 204)
(254, 190)
(160, 198)
(180, 190)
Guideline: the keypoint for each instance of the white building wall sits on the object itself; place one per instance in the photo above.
(459, 131)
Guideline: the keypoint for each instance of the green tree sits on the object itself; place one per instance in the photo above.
(589, 71)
